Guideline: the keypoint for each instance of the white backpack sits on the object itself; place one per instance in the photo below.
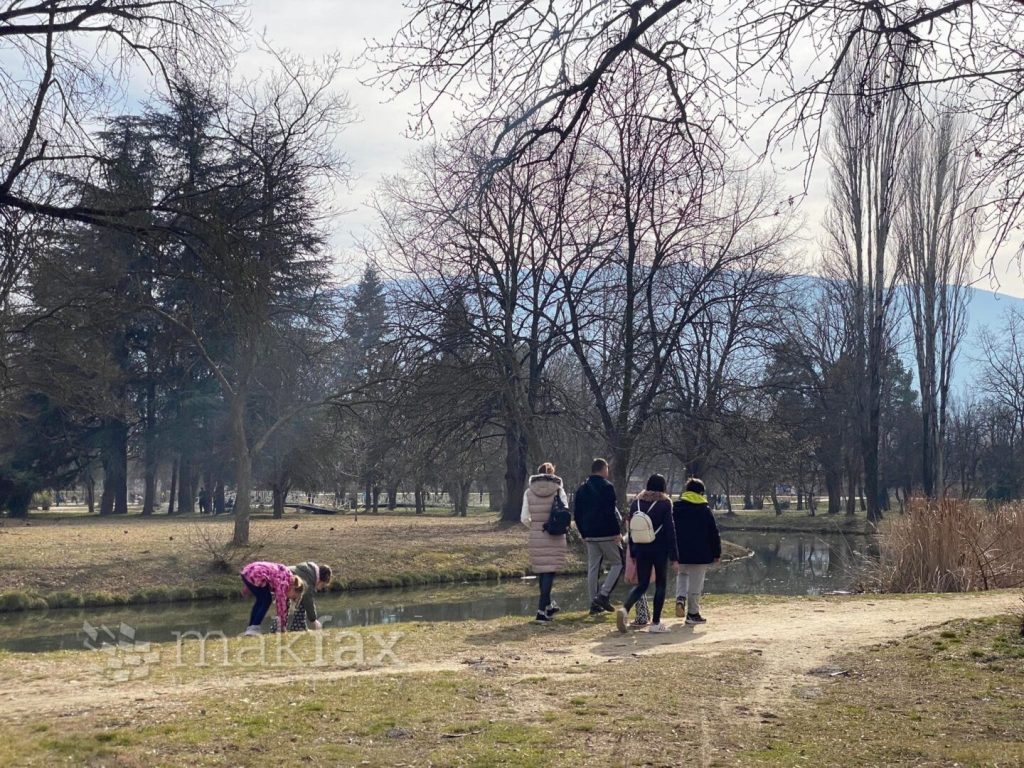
(641, 527)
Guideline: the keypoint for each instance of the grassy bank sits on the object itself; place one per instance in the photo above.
(950, 696)
(79, 561)
(510, 693)
(791, 521)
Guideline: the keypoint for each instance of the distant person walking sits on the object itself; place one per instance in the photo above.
(546, 512)
(270, 582)
(652, 539)
(600, 524)
(699, 545)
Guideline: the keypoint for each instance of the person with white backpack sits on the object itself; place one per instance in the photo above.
(652, 542)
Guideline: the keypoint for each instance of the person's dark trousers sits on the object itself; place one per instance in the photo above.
(643, 575)
(264, 597)
(546, 581)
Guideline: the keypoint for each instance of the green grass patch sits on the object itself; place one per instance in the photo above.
(945, 697)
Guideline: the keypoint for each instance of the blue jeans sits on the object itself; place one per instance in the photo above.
(264, 597)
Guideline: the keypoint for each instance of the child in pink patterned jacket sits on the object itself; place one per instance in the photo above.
(270, 582)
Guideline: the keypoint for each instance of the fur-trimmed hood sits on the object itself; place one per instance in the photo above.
(653, 496)
(545, 485)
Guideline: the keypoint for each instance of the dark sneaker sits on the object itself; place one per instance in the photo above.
(552, 609)
(596, 609)
(695, 618)
(542, 617)
(605, 603)
(680, 608)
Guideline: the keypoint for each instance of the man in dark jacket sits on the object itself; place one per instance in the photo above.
(600, 525)
(315, 577)
(699, 546)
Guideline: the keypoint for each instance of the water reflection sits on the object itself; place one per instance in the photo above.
(783, 564)
(792, 564)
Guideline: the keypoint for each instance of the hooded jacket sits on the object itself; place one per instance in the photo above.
(658, 507)
(547, 552)
(309, 572)
(699, 542)
(277, 577)
(594, 509)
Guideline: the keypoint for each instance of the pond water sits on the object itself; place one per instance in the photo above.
(783, 564)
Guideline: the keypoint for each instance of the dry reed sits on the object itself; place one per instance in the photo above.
(950, 546)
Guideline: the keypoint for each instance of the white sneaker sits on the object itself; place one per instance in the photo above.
(252, 631)
(621, 617)
(658, 628)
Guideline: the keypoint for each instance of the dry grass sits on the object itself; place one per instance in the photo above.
(947, 697)
(951, 546)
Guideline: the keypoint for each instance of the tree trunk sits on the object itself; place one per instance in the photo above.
(619, 475)
(393, 496)
(115, 470)
(834, 489)
(149, 494)
(150, 459)
(18, 504)
(219, 504)
(517, 455)
(851, 494)
(174, 486)
(243, 470)
(90, 492)
(459, 493)
(280, 492)
(186, 488)
(775, 499)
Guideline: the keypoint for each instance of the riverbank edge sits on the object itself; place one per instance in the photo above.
(854, 528)
(227, 588)
(17, 601)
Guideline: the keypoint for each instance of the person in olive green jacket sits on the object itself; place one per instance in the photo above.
(316, 578)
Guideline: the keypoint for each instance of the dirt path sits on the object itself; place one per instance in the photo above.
(796, 638)
(792, 638)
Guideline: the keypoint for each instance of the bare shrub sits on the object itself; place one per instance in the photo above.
(222, 555)
(950, 546)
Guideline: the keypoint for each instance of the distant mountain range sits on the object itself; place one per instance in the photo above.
(987, 309)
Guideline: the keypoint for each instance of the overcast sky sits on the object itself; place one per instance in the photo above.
(378, 144)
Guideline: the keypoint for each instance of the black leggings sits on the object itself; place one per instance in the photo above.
(546, 581)
(263, 597)
(643, 575)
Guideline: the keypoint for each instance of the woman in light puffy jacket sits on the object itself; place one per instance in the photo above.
(547, 552)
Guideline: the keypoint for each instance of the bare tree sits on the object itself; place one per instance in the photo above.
(482, 250)
(748, 64)
(1002, 363)
(658, 242)
(721, 352)
(868, 144)
(937, 234)
(64, 62)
